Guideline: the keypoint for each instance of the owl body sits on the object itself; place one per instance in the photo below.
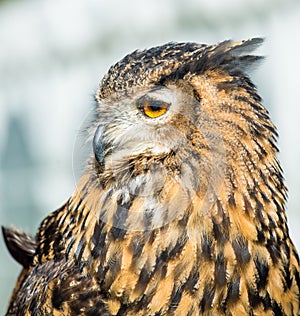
(181, 208)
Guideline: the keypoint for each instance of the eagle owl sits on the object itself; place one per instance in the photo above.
(181, 208)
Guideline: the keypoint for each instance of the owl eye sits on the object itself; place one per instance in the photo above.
(151, 107)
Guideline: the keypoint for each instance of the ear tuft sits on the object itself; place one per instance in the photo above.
(233, 57)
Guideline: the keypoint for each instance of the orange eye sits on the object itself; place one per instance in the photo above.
(152, 108)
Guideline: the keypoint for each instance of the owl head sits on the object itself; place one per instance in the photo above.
(171, 123)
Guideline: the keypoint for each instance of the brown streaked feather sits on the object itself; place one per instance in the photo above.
(21, 246)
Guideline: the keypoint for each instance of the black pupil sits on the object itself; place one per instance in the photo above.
(155, 105)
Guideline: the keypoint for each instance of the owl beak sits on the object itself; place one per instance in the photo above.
(99, 145)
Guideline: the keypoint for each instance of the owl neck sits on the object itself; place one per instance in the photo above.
(247, 202)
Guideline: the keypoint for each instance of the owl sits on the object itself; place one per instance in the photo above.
(181, 209)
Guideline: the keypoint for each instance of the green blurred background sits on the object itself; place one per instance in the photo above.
(53, 55)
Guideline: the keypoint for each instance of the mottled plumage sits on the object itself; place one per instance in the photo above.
(181, 208)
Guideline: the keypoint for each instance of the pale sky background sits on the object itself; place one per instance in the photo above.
(53, 55)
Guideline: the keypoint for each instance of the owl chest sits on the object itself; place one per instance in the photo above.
(165, 279)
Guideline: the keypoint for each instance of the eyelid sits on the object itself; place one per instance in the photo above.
(141, 102)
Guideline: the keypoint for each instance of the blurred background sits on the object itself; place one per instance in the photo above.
(53, 55)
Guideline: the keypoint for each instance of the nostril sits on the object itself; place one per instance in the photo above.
(99, 145)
